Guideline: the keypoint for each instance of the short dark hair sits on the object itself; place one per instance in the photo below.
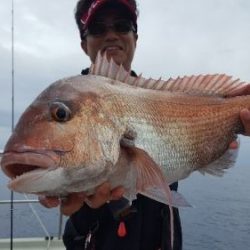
(83, 5)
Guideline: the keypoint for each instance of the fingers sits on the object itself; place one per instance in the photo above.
(104, 194)
(101, 196)
(69, 205)
(72, 203)
(245, 113)
(233, 145)
(117, 193)
(49, 202)
(245, 118)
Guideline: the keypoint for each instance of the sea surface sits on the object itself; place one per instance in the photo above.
(218, 220)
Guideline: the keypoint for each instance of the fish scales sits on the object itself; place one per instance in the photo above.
(85, 130)
(170, 124)
(113, 130)
(142, 134)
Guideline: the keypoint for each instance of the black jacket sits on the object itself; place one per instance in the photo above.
(146, 222)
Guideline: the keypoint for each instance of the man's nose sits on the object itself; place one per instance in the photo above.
(111, 34)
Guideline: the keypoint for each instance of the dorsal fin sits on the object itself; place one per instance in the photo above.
(216, 84)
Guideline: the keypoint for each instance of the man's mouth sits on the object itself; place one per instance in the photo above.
(111, 48)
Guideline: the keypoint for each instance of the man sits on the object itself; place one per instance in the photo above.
(110, 26)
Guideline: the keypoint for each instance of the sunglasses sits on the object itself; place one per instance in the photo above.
(101, 28)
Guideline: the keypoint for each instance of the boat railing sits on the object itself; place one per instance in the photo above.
(29, 202)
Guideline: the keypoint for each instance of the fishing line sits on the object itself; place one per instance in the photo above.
(12, 129)
(12, 116)
(40, 222)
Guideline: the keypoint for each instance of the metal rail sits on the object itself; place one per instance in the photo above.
(28, 201)
(18, 201)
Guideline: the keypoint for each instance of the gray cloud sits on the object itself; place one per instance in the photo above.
(175, 38)
(188, 37)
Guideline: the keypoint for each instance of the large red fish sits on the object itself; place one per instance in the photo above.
(108, 126)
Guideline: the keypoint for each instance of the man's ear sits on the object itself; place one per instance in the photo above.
(136, 37)
(84, 46)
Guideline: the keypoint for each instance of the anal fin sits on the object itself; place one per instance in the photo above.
(219, 166)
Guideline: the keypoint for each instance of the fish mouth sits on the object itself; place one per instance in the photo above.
(20, 166)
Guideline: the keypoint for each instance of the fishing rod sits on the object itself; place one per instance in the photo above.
(12, 115)
(12, 201)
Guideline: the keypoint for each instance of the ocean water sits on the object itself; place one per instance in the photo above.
(218, 220)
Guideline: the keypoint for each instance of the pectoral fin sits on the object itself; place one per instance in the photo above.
(178, 200)
(150, 177)
(150, 180)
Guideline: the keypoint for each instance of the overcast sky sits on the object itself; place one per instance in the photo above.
(175, 38)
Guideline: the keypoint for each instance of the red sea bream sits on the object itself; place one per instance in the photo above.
(109, 126)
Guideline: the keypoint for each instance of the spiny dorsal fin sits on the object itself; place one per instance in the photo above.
(110, 69)
(216, 84)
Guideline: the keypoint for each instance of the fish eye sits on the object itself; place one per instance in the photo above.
(60, 112)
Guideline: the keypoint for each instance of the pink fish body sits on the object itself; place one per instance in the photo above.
(108, 126)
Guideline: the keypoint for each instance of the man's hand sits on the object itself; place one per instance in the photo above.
(245, 118)
(244, 114)
(74, 201)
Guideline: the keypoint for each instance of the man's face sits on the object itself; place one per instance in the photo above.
(118, 45)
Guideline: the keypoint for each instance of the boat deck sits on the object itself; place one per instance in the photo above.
(32, 243)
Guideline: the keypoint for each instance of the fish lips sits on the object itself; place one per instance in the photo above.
(17, 163)
(25, 167)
